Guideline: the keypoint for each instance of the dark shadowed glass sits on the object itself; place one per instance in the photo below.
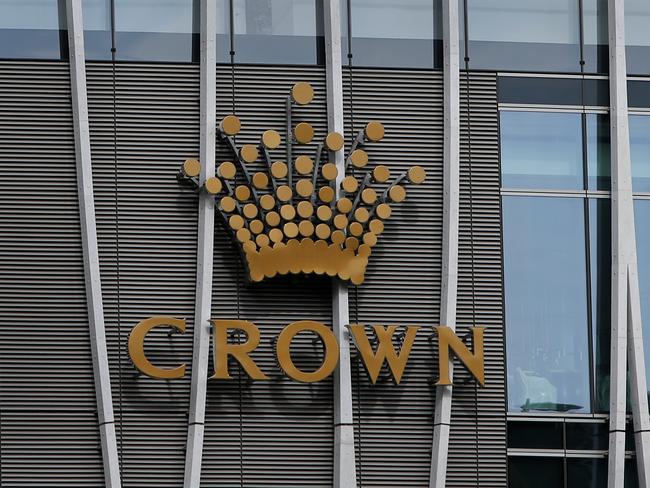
(598, 151)
(535, 472)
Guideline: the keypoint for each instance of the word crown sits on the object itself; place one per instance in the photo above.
(303, 215)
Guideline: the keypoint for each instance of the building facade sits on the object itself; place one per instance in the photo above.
(532, 121)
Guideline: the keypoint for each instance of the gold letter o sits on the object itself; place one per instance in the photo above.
(284, 355)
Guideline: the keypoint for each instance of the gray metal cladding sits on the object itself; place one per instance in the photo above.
(277, 432)
(477, 451)
(48, 422)
(393, 423)
(143, 127)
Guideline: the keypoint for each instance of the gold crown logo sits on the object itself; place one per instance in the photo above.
(285, 216)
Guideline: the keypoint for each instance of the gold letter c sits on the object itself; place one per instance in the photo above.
(136, 347)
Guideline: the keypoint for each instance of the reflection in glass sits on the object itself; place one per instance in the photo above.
(541, 150)
(600, 265)
(595, 34)
(642, 225)
(399, 34)
(33, 29)
(546, 304)
(169, 35)
(524, 35)
(640, 152)
(637, 36)
(598, 152)
(535, 472)
(97, 29)
(278, 31)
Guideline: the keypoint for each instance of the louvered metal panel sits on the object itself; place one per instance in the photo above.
(393, 423)
(277, 432)
(143, 126)
(48, 422)
(477, 450)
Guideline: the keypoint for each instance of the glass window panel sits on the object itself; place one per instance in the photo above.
(33, 29)
(97, 29)
(535, 435)
(596, 38)
(640, 152)
(586, 472)
(535, 472)
(601, 258)
(598, 152)
(546, 304)
(524, 35)
(637, 36)
(169, 35)
(642, 226)
(279, 31)
(407, 33)
(223, 31)
(587, 436)
(631, 474)
(541, 150)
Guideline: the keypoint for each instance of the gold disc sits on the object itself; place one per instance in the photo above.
(370, 239)
(369, 196)
(323, 231)
(249, 153)
(236, 222)
(356, 229)
(287, 212)
(304, 165)
(243, 193)
(279, 169)
(324, 213)
(250, 211)
(302, 93)
(267, 202)
(326, 194)
(305, 209)
(397, 193)
(306, 228)
(340, 221)
(344, 205)
(243, 235)
(230, 125)
(304, 187)
(417, 174)
(381, 173)
(228, 204)
(256, 226)
(249, 246)
(303, 132)
(273, 219)
(262, 240)
(191, 167)
(260, 180)
(227, 170)
(290, 230)
(271, 139)
(383, 211)
(349, 184)
(376, 226)
(213, 185)
(352, 243)
(374, 131)
(334, 141)
(284, 193)
(338, 237)
(361, 215)
(329, 171)
(276, 235)
(359, 158)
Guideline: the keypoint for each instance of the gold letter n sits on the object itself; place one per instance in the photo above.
(473, 362)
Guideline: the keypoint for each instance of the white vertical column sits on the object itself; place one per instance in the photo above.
(626, 331)
(204, 265)
(89, 244)
(345, 475)
(451, 164)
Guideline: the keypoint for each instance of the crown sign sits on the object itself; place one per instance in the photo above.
(285, 216)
